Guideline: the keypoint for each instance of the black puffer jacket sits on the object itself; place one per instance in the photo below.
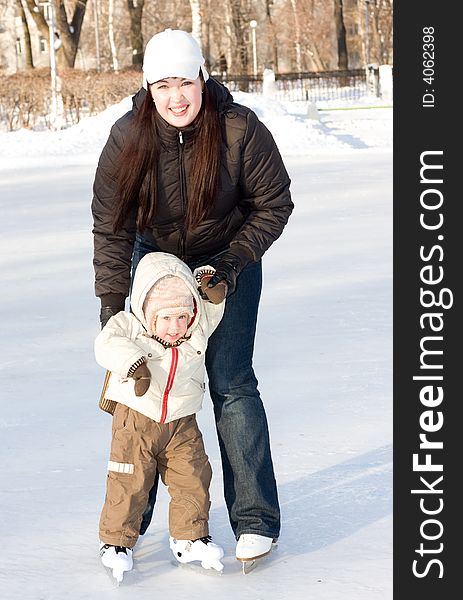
(252, 209)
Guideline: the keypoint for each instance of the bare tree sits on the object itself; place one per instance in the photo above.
(36, 12)
(112, 43)
(315, 28)
(381, 30)
(305, 39)
(273, 33)
(69, 31)
(343, 61)
(239, 24)
(29, 62)
(196, 21)
(136, 34)
(292, 35)
(206, 32)
(297, 32)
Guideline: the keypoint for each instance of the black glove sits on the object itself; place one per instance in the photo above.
(106, 313)
(227, 269)
(142, 378)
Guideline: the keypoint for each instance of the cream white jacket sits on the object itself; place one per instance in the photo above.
(177, 374)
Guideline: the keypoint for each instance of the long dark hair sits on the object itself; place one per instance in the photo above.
(136, 169)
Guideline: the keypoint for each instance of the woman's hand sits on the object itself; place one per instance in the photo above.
(106, 313)
(227, 270)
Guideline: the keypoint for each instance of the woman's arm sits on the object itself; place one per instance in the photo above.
(265, 183)
(112, 252)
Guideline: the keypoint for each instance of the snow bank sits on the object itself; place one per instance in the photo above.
(340, 129)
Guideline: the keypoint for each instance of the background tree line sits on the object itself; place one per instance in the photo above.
(110, 35)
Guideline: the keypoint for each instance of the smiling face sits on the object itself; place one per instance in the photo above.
(177, 100)
(171, 328)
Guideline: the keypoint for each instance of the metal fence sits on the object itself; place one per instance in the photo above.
(322, 86)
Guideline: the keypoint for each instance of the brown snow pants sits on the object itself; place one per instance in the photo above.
(139, 448)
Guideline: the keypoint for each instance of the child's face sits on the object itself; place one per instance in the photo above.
(171, 329)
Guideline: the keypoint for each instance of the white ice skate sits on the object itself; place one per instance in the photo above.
(251, 548)
(202, 549)
(117, 558)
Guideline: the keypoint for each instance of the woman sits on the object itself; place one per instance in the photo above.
(189, 172)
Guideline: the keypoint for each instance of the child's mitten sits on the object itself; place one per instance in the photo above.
(215, 294)
(142, 377)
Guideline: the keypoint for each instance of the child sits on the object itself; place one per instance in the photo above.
(156, 359)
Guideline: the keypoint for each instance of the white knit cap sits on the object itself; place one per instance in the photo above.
(173, 53)
(168, 297)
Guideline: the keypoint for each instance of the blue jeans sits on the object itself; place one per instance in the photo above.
(242, 430)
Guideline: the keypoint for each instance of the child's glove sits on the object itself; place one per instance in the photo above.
(142, 377)
(216, 294)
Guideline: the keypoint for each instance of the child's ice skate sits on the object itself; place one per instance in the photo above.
(117, 558)
(202, 549)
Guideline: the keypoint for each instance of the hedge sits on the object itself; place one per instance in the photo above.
(26, 99)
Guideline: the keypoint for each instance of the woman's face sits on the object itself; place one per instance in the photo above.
(177, 100)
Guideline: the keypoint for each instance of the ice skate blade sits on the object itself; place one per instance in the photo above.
(115, 580)
(126, 579)
(121, 578)
(197, 568)
(249, 564)
(118, 577)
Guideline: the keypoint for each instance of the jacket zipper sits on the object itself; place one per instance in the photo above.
(182, 194)
(170, 382)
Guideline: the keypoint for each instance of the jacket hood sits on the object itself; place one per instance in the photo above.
(219, 91)
(153, 267)
(138, 99)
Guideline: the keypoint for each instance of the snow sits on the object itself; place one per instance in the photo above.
(323, 359)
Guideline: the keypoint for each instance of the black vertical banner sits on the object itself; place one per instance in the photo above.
(428, 236)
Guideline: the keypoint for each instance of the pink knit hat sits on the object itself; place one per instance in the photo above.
(169, 296)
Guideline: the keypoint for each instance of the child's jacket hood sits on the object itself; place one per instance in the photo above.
(177, 372)
(153, 267)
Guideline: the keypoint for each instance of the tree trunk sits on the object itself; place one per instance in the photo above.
(136, 35)
(381, 31)
(268, 4)
(297, 41)
(343, 62)
(229, 53)
(96, 23)
(112, 43)
(206, 33)
(39, 18)
(69, 33)
(29, 62)
(241, 51)
(196, 22)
